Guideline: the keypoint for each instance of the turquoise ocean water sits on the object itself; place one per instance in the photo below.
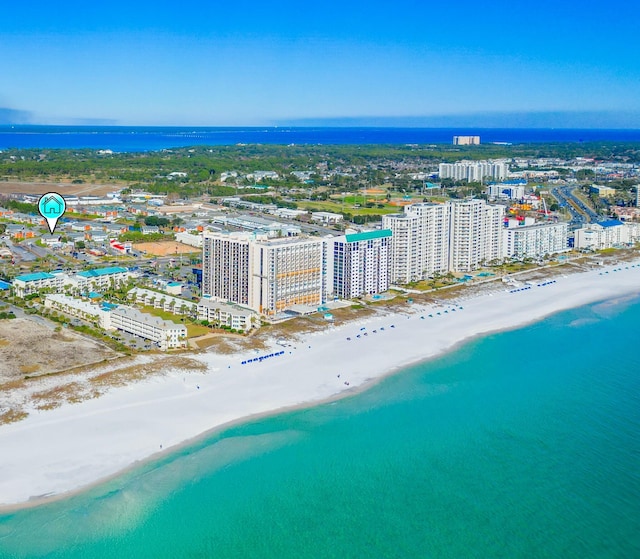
(520, 444)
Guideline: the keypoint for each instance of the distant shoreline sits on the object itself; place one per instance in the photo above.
(155, 138)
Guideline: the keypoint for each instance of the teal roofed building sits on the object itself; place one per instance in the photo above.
(360, 263)
(101, 278)
(103, 272)
(36, 276)
(27, 284)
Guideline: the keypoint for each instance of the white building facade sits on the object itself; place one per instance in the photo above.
(606, 234)
(78, 308)
(474, 171)
(430, 239)
(267, 275)
(162, 301)
(419, 242)
(100, 278)
(225, 266)
(506, 191)
(227, 314)
(27, 284)
(475, 234)
(536, 240)
(167, 334)
(188, 238)
(361, 263)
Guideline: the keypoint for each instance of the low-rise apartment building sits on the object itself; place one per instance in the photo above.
(163, 301)
(100, 278)
(78, 308)
(167, 334)
(27, 284)
(606, 234)
(227, 314)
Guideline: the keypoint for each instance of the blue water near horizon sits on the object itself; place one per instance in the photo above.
(520, 444)
(150, 138)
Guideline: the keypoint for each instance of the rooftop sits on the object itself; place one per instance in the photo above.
(35, 276)
(227, 307)
(610, 223)
(148, 319)
(368, 235)
(103, 272)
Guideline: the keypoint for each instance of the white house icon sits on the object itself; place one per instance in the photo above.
(52, 206)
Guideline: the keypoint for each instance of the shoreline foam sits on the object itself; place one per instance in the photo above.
(53, 454)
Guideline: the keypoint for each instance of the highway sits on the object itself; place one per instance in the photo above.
(580, 212)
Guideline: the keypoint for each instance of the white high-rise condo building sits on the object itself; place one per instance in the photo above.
(433, 239)
(284, 273)
(474, 171)
(361, 263)
(466, 140)
(225, 266)
(267, 275)
(419, 242)
(475, 234)
(535, 240)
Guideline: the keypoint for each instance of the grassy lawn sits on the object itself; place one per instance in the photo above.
(76, 215)
(427, 285)
(164, 315)
(335, 207)
(517, 267)
(193, 330)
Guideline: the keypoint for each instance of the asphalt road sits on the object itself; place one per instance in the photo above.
(580, 212)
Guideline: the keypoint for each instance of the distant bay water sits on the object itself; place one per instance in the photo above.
(138, 138)
(522, 444)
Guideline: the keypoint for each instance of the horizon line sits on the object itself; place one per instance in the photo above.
(319, 125)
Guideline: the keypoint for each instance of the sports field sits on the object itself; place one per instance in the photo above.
(164, 248)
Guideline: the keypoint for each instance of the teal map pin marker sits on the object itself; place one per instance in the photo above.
(51, 206)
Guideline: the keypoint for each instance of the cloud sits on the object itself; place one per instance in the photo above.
(13, 116)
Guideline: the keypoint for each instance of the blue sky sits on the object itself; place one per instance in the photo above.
(245, 62)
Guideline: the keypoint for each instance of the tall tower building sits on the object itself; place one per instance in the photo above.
(361, 263)
(475, 234)
(268, 276)
(285, 272)
(466, 140)
(474, 171)
(457, 236)
(225, 266)
(419, 242)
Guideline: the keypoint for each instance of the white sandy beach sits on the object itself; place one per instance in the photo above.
(60, 450)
